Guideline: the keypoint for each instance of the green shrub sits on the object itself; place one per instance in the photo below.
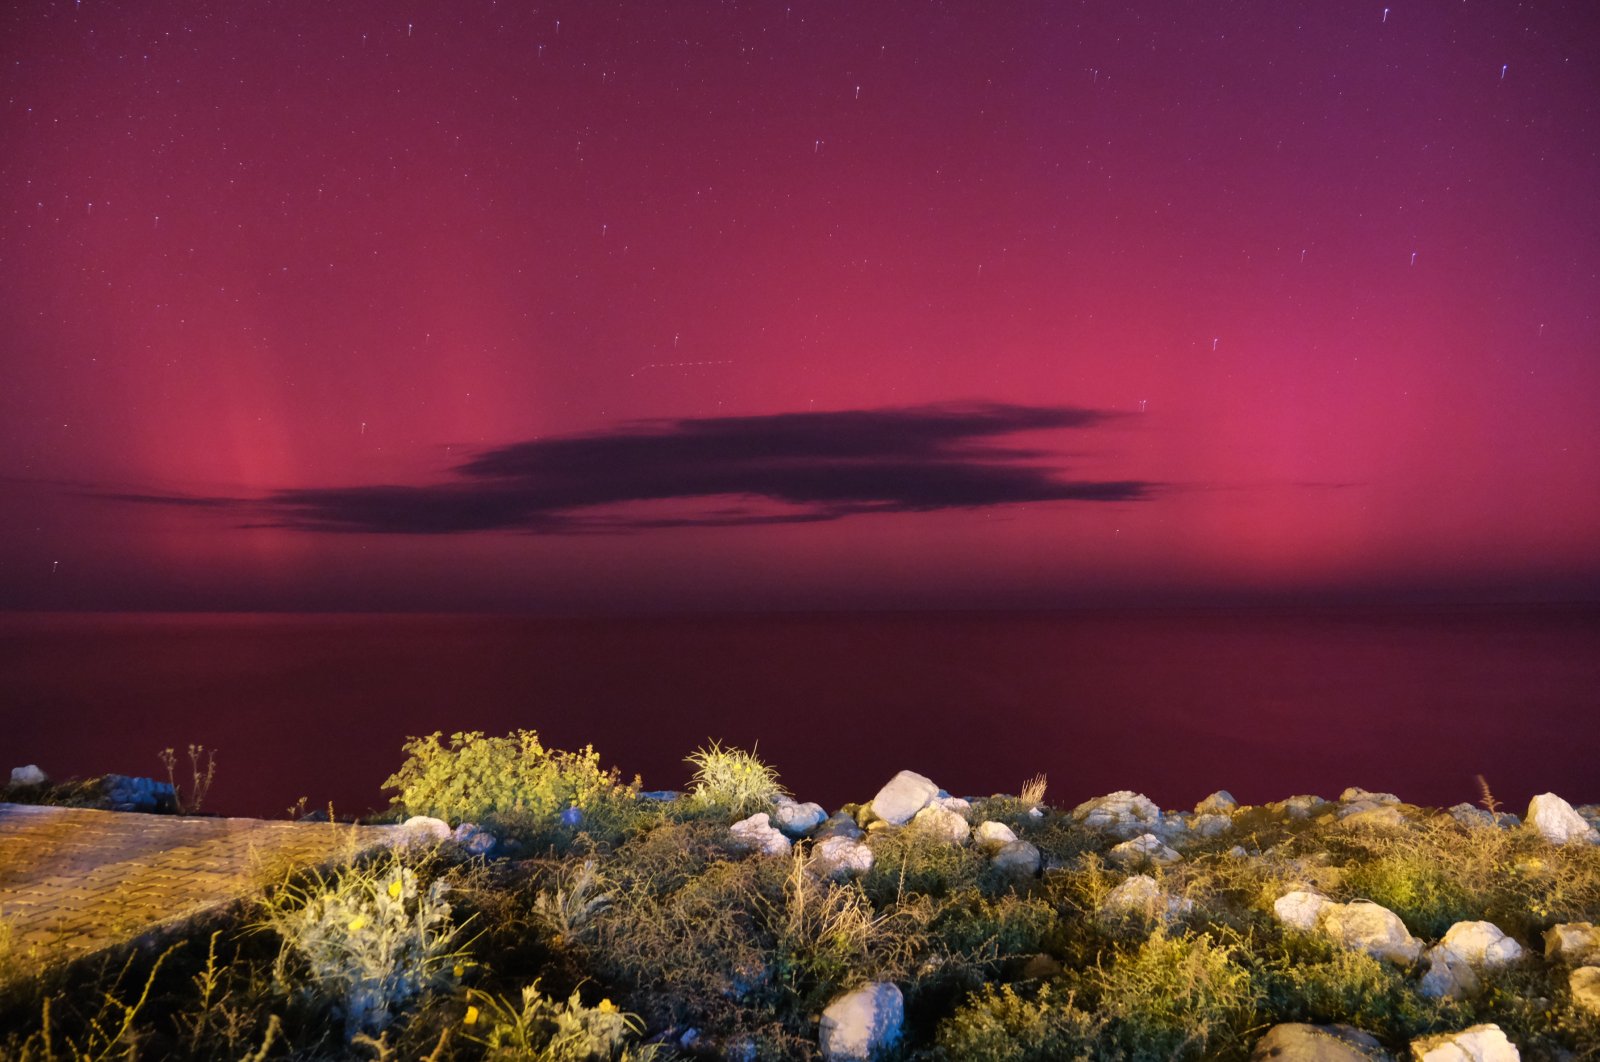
(542, 1029)
(1412, 884)
(732, 781)
(1311, 980)
(1001, 1025)
(369, 940)
(909, 863)
(1175, 998)
(473, 777)
(986, 933)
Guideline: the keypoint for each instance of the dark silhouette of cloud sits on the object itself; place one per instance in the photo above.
(784, 468)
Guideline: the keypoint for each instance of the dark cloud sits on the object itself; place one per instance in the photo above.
(791, 467)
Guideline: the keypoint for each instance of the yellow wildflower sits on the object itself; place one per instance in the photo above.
(358, 923)
(471, 1016)
(394, 889)
(607, 1007)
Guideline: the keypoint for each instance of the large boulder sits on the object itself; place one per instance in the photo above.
(1141, 850)
(1576, 943)
(29, 775)
(859, 1026)
(1558, 823)
(1365, 926)
(905, 794)
(840, 857)
(757, 834)
(1211, 824)
(797, 820)
(1122, 814)
(1468, 949)
(1318, 1043)
(941, 824)
(1585, 985)
(1481, 1043)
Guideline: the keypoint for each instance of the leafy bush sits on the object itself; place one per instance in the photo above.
(987, 932)
(370, 940)
(545, 1030)
(1001, 1025)
(732, 780)
(473, 777)
(1311, 980)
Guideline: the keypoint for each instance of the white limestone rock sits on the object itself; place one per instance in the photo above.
(859, 1026)
(1303, 806)
(959, 805)
(1585, 984)
(1018, 859)
(757, 834)
(1147, 848)
(1141, 895)
(1482, 944)
(905, 794)
(1365, 926)
(1576, 943)
(1318, 1043)
(1122, 814)
(1356, 795)
(797, 820)
(840, 858)
(1211, 824)
(424, 829)
(1481, 1043)
(29, 775)
(1558, 823)
(941, 823)
(1449, 976)
(1300, 909)
(838, 825)
(1219, 803)
(993, 836)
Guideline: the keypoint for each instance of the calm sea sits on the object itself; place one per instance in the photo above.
(1265, 703)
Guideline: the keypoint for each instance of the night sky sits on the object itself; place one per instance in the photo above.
(588, 306)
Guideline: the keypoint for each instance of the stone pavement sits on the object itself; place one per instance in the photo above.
(74, 881)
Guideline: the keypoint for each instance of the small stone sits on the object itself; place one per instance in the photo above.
(1558, 823)
(1481, 1043)
(474, 839)
(1585, 984)
(960, 805)
(1300, 909)
(1219, 803)
(124, 793)
(1357, 795)
(840, 857)
(942, 824)
(424, 829)
(1318, 1043)
(572, 817)
(29, 775)
(993, 836)
(1211, 824)
(905, 794)
(839, 824)
(798, 820)
(1372, 816)
(1449, 976)
(1141, 895)
(1304, 806)
(1148, 848)
(661, 796)
(757, 834)
(859, 1026)
(1018, 859)
(1576, 943)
